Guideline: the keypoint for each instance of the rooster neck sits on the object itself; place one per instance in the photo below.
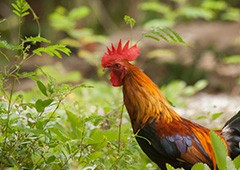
(143, 99)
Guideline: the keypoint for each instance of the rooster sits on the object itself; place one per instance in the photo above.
(162, 134)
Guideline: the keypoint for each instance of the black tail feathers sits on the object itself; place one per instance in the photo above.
(231, 133)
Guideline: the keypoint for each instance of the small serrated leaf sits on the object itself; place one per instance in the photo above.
(15, 7)
(17, 13)
(36, 39)
(5, 44)
(24, 14)
(179, 38)
(150, 36)
(165, 31)
(52, 50)
(156, 32)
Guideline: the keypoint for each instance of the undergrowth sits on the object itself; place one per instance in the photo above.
(56, 125)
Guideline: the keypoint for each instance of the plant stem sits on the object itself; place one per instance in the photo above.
(120, 129)
(8, 114)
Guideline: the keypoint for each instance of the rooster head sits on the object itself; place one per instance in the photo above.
(116, 60)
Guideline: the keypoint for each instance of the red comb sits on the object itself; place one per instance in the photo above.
(120, 53)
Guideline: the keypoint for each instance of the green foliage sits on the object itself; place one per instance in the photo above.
(21, 8)
(181, 89)
(167, 34)
(52, 50)
(130, 21)
(77, 37)
(211, 116)
(68, 19)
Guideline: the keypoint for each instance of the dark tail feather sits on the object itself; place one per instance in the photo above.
(231, 133)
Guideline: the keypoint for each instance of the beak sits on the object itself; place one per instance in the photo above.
(105, 69)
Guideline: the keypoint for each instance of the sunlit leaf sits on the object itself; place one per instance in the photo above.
(200, 166)
(237, 162)
(53, 50)
(169, 167)
(216, 115)
(220, 150)
(36, 39)
(21, 8)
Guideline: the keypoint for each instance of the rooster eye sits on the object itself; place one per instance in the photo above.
(118, 65)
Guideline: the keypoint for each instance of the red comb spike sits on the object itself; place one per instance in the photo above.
(119, 49)
(113, 48)
(119, 53)
(126, 46)
(109, 51)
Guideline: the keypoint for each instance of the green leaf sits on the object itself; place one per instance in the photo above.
(53, 50)
(200, 84)
(169, 167)
(220, 150)
(150, 36)
(79, 13)
(237, 162)
(5, 44)
(179, 38)
(200, 166)
(60, 132)
(230, 164)
(20, 8)
(232, 59)
(157, 32)
(165, 31)
(40, 105)
(36, 39)
(51, 159)
(216, 115)
(130, 21)
(42, 88)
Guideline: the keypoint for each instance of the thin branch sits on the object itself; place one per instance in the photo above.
(120, 129)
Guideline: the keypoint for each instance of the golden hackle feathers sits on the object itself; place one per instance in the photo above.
(142, 94)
